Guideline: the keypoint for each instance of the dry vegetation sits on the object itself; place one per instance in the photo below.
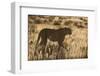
(75, 46)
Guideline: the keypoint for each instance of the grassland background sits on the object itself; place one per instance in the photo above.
(75, 46)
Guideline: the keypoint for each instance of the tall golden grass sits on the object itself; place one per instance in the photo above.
(75, 46)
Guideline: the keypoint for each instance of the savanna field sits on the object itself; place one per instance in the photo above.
(75, 46)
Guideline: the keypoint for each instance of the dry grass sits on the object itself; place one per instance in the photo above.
(75, 46)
